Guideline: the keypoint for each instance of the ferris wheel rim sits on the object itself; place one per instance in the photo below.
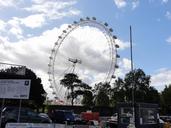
(87, 22)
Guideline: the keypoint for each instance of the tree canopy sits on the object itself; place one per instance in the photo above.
(74, 85)
(166, 99)
(87, 98)
(138, 82)
(102, 94)
(135, 81)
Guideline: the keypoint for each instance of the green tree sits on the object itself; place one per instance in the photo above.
(102, 94)
(87, 98)
(118, 92)
(102, 99)
(166, 98)
(75, 85)
(138, 82)
(37, 92)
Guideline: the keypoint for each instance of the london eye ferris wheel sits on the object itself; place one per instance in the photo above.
(88, 48)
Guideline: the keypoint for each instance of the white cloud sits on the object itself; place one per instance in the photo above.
(14, 27)
(122, 45)
(120, 3)
(57, 9)
(17, 32)
(38, 1)
(135, 4)
(39, 13)
(168, 15)
(126, 64)
(169, 40)
(161, 78)
(2, 25)
(123, 3)
(32, 52)
(9, 3)
(33, 21)
(165, 1)
(124, 67)
(14, 22)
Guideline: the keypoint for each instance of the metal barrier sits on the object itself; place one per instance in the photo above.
(43, 125)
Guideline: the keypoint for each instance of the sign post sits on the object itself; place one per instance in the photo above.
(14, 89)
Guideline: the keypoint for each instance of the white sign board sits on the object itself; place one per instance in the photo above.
(14, 88)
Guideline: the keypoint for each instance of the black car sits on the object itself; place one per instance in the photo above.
(61, 116)
(27, 115)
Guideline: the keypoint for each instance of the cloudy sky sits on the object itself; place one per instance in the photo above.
(29, 30)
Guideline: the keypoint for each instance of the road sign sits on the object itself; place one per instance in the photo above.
(14, 88)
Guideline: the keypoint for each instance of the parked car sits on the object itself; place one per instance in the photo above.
(77, 117)
(27, 115)
(45, 115)
(114, 117)
(61, 116)
(166, 118)
(79, 120)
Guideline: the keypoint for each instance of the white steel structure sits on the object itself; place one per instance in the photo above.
(112, 50)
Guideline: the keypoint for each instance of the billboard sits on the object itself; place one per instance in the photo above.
(15, 88)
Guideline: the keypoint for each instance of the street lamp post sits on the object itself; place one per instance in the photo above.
(132, 122)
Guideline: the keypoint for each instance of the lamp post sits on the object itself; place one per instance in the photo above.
(132, 121)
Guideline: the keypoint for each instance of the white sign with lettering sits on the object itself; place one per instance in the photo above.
(14, 88)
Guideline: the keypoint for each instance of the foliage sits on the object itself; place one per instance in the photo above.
(87, 98)
(102, 93)
(118, 92)
(75, 85)
(37, 92)
(166, 98)
(102, 99)
(138, 82)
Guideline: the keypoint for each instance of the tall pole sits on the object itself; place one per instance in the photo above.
(133, 82)
(132, 67)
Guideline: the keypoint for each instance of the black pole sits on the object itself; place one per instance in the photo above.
(133, 82)
(132, 67)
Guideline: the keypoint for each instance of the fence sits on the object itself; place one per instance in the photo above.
(37, 125)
